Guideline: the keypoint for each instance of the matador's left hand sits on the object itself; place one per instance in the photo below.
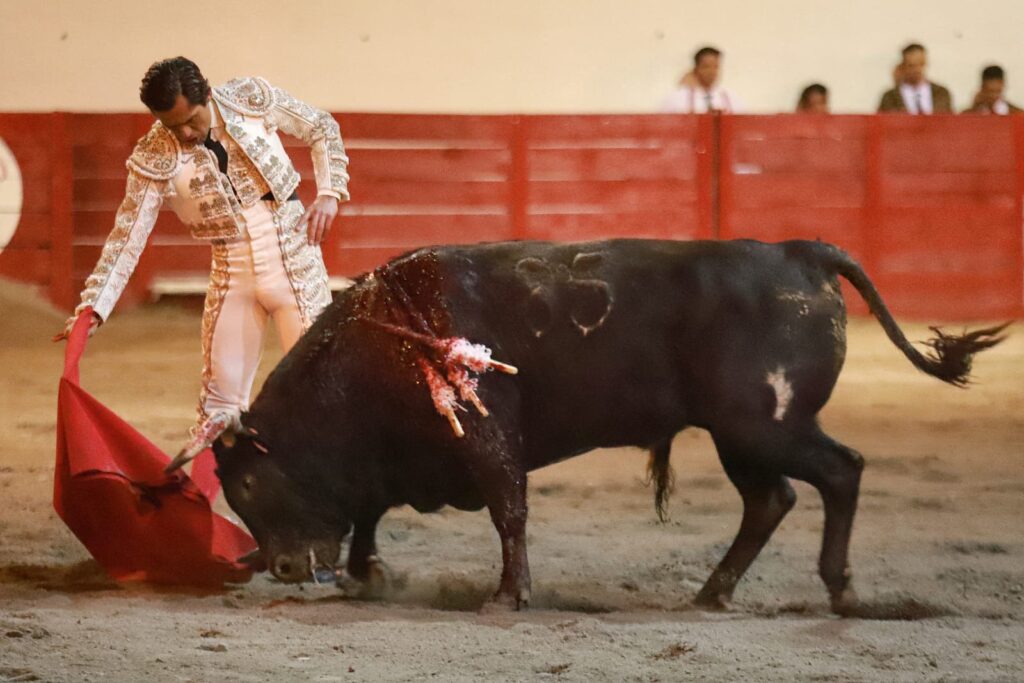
(318, 218)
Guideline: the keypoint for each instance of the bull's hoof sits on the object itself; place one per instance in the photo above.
(713, 600)
(375, 584)
(845, 603)
(501, 603)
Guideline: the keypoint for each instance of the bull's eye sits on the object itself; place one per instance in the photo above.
(248, 481)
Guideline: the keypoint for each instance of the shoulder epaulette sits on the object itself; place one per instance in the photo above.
(156, 154)
(250, 96)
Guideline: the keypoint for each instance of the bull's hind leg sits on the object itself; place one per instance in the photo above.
(767, 497)
(758, 462)
(835, 471)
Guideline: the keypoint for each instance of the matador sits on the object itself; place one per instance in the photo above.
(215, 157)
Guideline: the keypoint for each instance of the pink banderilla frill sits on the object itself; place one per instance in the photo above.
(459, 357)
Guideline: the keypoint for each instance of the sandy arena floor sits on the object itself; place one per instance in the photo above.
(937, 553)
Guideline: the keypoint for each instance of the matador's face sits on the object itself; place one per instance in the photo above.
(190, 123)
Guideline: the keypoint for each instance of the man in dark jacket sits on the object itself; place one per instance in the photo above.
(914, 93)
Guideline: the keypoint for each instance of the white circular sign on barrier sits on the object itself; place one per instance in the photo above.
(10, 194)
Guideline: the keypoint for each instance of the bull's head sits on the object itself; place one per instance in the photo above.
(299, 533)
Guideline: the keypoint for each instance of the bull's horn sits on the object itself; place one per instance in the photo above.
(203, 436)
(254, 561)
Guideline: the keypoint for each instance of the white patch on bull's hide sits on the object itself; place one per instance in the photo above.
(783, 391)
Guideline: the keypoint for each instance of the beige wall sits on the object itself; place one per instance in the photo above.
(489, 56)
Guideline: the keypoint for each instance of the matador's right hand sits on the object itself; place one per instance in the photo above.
(66, 332)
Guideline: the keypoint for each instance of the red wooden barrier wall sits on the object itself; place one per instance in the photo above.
(930, 206)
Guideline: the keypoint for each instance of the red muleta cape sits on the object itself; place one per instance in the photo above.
(110, 489)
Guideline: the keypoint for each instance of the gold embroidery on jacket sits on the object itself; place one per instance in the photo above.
(215, 294)
(280, 176)
(321, 132)
(156, 154)
(250, 96)
(248, 183)
(134, 221)
(303, 263)
(203, 184)
(212, 209)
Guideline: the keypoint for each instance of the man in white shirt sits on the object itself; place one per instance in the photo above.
(989, 99)
(914, 93)
(700, 92)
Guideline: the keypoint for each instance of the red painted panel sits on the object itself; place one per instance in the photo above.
(784, 190)
(932, 206)
(927, 297)
(101, 161)
(33, 232)
(619, 196)
(840, 226)
(422, 164)
(30, 264)
(417, 230)
(35, 161)
(611, 129)
(949, 143)
(931, 188)
(790, 155)
(37, 195)
(62, 230)
(798, 126)
(353, 262)
(26, 130)
(670, 161)
(479, 129)
(677, 224)
(438, 192)
(111, 130)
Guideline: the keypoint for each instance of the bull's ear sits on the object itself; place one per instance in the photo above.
(228, 438)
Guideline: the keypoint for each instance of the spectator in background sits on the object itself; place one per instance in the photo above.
(813, 100)
(914, 93)
(699, 92)
(989, 99)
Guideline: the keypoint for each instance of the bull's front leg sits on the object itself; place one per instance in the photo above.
(508, 514)
(364, 564)
(496, 467)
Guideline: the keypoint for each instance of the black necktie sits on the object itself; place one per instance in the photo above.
(218, 151)
(222, 161)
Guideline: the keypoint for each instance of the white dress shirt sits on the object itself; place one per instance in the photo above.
(917, 98)
(687, 100)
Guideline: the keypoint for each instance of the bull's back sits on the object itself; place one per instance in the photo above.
(625, 342)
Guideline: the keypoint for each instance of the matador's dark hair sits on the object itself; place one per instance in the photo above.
(168, 78)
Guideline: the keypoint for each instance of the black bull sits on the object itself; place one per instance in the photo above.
(617, 343)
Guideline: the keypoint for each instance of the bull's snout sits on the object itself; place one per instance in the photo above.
(315, 562)
(290, 569)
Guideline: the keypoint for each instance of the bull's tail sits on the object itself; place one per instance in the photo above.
(950, 356)
(659, 473)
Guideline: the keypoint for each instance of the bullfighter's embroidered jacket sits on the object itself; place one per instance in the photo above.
(188, 179)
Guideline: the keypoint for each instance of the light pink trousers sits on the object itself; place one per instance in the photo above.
(248, 286)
